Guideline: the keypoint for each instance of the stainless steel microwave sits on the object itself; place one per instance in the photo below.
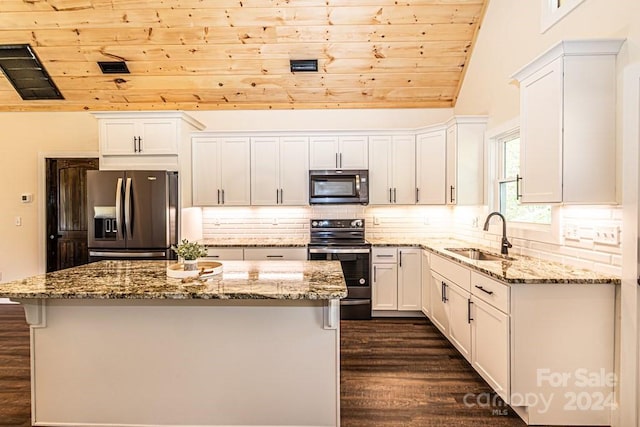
(339, 186)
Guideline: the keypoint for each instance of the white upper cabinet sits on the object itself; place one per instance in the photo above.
(279, 170)
(567, 116)
(338, 152)
(157, 133)
(465, 160)
(221, 168)
(431, 167)
(392, 170)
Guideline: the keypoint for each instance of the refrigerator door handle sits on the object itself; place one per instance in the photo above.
(127, 209)
(119, 209)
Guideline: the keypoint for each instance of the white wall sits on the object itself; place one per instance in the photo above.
(510, 38)
(24, 136)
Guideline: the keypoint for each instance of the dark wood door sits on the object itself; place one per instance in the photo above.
(67, 212)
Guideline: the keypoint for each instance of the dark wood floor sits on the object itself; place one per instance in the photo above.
(403, 372)
(395, 373)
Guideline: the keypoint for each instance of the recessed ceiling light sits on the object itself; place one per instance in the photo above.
(26, 73)
(303, 65)
(113, 67)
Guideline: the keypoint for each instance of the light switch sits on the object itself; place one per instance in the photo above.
(18, 221)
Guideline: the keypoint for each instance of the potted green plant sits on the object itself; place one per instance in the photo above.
(189, 252)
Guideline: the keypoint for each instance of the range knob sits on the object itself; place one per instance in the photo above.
(356, 223)
(314, 223)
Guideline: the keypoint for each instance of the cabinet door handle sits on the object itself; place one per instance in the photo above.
(139, 144)
(223, 196)
(484, 290)
(135, 144)
(518, 193)
(277, 196)
(451, 199)
(400, 261)
(375, 274)
(281, 196)
(417, 195)
(444, 292)
(469, 318)
(340, 160)
(390, 192)
(394, 196)
(218, 196)
(337, 166)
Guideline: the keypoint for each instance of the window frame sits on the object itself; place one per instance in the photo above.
(551, 13)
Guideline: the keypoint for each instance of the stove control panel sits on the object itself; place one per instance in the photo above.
(337, 223)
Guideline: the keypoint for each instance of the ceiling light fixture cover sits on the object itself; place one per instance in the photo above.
(113, 67)
(26, 73)
(303, 65)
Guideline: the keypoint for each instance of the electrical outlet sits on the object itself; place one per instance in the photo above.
(216, 221)
(18, 221)
(376, 220)
(275, 221)
(474, 222)
(571, 232)
(607, 235)
(426, 220)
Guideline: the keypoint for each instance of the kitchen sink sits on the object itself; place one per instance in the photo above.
(479, 254)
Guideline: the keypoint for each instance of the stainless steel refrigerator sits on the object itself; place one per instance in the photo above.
(132, 214)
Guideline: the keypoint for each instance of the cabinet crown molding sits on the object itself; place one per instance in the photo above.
(151, 115)
(587, 47)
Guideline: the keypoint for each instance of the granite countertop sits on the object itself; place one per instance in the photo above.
(296, 280)
(521, 269)
(256, 242)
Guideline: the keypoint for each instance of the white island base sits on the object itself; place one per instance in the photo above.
(134, 362)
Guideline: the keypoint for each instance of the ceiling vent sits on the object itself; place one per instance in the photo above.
(26, 73)
(113, 67)
(304, 65)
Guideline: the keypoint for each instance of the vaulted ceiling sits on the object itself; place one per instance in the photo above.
(234, 54)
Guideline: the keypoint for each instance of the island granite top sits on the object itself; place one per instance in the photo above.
(283, 280)
(520, 269)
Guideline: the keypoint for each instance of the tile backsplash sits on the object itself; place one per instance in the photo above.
(573, 239)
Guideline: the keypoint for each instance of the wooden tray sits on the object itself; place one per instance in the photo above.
(205, 269)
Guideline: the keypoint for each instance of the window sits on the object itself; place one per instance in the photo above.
(553, 11)
(508, 186)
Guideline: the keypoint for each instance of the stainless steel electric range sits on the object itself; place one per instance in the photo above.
(343, 240)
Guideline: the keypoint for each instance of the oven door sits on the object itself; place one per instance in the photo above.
(355, 264)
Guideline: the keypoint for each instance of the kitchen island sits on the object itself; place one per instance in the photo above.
(117, 343)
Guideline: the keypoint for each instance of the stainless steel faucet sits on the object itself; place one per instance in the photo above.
(504, 247)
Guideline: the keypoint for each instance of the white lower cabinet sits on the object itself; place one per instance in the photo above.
(224, 254)
(490, 345)
(384, 291)
(547, 349)
(396, 279)
(450, 312)
(426, 284)
(275, 253)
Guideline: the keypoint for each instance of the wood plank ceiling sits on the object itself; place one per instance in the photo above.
(234, 54)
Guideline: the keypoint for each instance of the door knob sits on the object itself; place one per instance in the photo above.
(52, 237)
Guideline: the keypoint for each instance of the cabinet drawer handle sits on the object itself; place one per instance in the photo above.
(469, 318)
(275, 256)
(484, 290)
(444, 292)
(384, 256)
(213, 256)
